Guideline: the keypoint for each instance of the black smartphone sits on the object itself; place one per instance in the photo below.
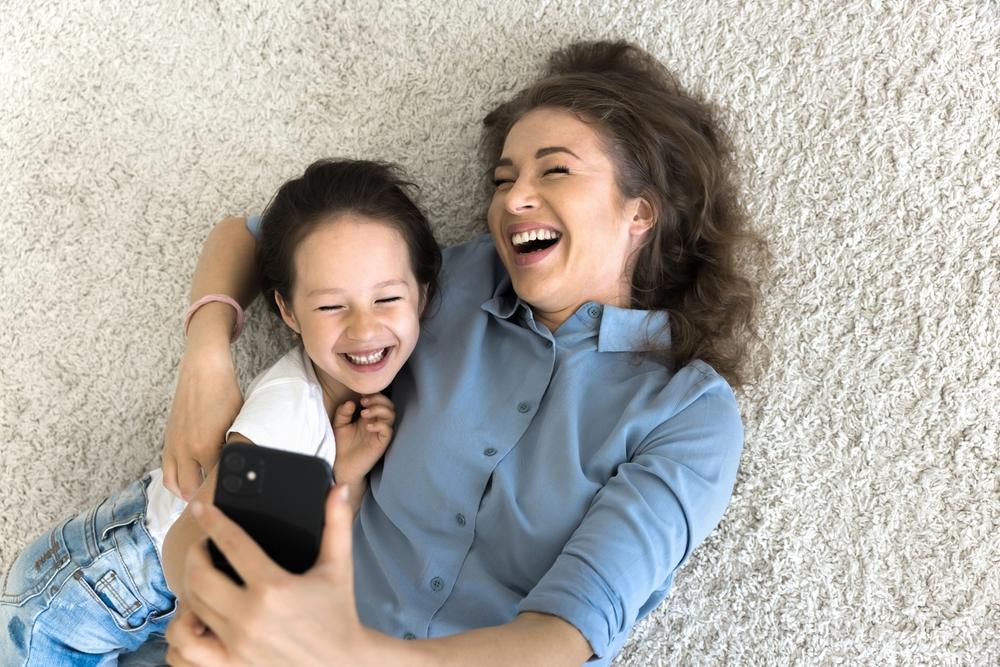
(278, 497)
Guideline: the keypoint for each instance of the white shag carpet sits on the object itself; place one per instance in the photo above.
(865, 526)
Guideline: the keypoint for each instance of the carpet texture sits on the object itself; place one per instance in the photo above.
(865, 526)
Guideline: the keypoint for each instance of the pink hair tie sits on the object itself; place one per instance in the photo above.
(209, 298)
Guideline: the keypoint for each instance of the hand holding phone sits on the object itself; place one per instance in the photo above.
(278, 498)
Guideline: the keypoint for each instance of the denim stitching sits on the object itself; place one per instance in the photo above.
(104, 586)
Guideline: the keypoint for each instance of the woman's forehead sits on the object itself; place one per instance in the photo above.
(541, 130)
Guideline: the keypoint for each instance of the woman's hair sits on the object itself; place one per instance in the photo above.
(332, 187)
(667, 147)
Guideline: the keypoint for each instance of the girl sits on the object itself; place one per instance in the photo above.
(348, 262)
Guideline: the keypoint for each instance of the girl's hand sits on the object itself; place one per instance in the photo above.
(361, 443)
(205, 404)
(277, 618)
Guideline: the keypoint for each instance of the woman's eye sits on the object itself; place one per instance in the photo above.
(501, 182)
(559, 169)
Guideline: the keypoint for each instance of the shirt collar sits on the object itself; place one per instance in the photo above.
(504, 302)
(618, 329)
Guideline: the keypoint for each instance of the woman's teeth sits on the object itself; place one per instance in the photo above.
(367, 359)
(534, 235)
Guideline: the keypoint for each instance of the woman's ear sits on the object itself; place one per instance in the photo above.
(286, 313)
(643, 216)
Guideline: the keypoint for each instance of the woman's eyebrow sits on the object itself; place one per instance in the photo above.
(540, 153)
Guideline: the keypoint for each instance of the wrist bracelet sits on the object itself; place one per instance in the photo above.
(209, 298)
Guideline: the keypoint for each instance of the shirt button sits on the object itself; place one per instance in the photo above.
(523, 407)
(594, 311)
(460, 519)
(409, 635)
(437, 583)
(489, 451)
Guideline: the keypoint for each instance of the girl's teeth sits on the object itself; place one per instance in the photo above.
(367, 359)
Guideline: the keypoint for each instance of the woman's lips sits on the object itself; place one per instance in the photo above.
(531, 258)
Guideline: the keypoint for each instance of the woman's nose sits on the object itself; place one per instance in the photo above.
(521, 197)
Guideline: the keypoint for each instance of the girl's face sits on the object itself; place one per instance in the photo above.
(355, 302)
(560, 223)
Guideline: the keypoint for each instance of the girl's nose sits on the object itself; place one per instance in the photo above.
(363, 326)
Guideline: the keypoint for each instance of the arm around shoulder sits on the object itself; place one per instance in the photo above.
(207, 396)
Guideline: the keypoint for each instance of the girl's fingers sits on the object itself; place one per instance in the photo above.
(383, 431)
(343, 415)
(379, 412)
(372, 400)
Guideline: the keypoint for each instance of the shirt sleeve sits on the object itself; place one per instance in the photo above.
(253, 225)
(278, 415)
(645, 521)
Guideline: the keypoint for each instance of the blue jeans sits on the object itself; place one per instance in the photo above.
(88, 590)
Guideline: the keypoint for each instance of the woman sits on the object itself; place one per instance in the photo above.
(566, 433)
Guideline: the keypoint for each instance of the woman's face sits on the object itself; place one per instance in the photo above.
(560, 223)
(355, 302)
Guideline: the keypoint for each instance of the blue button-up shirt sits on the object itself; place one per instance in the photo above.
(536, 471)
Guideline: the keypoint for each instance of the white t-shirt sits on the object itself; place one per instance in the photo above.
(283, 409)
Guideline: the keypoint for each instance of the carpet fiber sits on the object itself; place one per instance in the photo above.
(865, 524)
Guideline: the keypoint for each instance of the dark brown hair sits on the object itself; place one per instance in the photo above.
(329, 187)
(667, 147)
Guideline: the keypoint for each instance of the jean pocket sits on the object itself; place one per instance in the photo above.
(35, 568)
(102, 581)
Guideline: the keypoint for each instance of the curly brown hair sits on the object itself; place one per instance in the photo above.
(668, 148)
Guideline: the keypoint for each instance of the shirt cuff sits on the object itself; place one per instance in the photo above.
(576, 593)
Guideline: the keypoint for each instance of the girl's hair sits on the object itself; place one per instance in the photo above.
(666, 146)
(336, 186)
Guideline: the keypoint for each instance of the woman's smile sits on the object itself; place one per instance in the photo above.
(532, 242)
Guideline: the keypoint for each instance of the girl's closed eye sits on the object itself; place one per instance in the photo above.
(389, 299)
(330, 308)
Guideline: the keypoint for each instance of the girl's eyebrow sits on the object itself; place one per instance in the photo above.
(540, 153)
(337, 290)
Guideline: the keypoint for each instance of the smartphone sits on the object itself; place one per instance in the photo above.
(278, 498)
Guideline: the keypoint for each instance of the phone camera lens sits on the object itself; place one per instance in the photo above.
(235, 462)
(232, 483)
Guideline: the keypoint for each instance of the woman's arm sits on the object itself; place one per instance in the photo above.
(208, 397)
(310, 619)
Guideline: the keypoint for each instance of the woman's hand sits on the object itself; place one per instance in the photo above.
(277, 618)
(205, 404)
(361, 443)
